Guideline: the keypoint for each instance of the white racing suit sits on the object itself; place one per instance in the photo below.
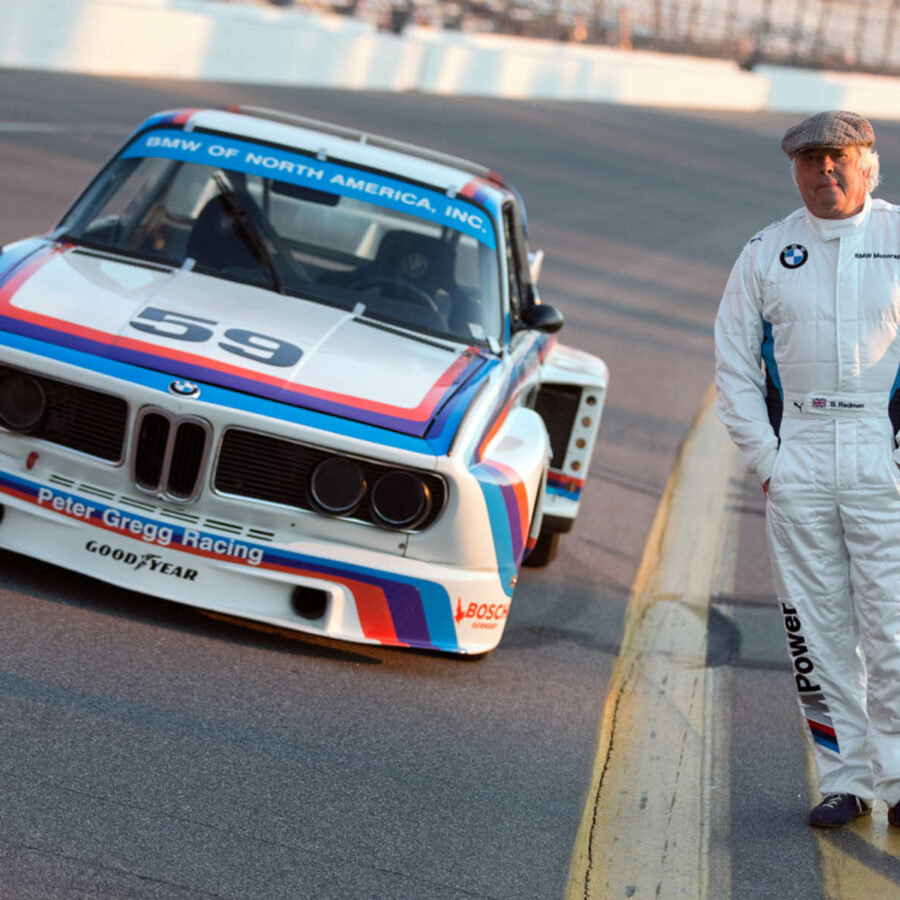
(819, 301)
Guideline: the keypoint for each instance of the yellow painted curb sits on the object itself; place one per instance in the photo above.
(643, 831)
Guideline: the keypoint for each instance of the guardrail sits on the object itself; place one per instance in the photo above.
(197, 39)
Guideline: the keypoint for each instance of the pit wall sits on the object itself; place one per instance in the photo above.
(254, 43)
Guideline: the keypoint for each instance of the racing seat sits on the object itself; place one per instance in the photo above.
(421, 261)
(425, 264)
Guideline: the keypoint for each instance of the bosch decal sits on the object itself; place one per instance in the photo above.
(482, 615)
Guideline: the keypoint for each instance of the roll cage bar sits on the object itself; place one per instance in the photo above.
(374, 140)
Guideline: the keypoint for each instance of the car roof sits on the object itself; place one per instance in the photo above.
(447, 173)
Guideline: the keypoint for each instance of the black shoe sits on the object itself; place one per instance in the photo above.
(894, 815)
(838, 809)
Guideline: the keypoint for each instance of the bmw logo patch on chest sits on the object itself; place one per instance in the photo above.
(793, 256)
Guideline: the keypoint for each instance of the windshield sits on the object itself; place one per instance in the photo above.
(386, 249)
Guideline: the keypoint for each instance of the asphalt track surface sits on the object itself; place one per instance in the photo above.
(147, 751)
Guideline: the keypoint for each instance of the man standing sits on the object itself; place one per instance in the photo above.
(816, 297)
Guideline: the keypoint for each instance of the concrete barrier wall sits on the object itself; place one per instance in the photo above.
(205, 39)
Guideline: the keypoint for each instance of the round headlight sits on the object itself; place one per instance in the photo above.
(22, 402)
(337, 486)
(400, 499)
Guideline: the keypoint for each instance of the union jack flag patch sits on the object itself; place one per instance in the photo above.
(818, 403)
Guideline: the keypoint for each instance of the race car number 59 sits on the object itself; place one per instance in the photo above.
(250, 344)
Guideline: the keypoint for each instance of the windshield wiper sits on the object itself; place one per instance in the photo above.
(115, 250)
(251, 231)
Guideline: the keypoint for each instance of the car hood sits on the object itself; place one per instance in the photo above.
(207, 330)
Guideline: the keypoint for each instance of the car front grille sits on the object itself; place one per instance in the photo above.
(169, 454)
(266, 468)
(187, 459)
(152, 438)
(81, 419)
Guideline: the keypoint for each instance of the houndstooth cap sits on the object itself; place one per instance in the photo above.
(836, 128)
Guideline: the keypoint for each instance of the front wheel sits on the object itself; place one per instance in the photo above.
(544, 550)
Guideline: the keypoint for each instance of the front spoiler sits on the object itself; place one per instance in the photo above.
(372, 597)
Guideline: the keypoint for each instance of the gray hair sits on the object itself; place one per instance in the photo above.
(868, 159)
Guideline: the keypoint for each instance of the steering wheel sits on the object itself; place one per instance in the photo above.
(408, 293)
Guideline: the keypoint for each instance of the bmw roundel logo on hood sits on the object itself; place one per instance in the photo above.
(793, 256)
(184, 388)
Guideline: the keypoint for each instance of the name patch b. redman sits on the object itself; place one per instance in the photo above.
(815, 709)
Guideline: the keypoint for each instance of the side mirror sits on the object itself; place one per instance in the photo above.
(542, 318)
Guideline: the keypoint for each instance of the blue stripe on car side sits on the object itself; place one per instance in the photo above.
(12, 257)
(501, 528)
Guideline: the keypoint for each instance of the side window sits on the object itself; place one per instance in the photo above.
(512, 262)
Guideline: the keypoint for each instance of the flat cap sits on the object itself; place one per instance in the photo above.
(836, 128)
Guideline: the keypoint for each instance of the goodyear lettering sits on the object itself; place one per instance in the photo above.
(152, 562)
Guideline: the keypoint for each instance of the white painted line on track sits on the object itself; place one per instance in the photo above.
(646, 827)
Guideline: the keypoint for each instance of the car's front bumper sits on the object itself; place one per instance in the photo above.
(366, 595)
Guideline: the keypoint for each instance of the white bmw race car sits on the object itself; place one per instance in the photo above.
(284, 371)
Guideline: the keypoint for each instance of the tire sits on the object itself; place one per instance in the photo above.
(544, 550)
